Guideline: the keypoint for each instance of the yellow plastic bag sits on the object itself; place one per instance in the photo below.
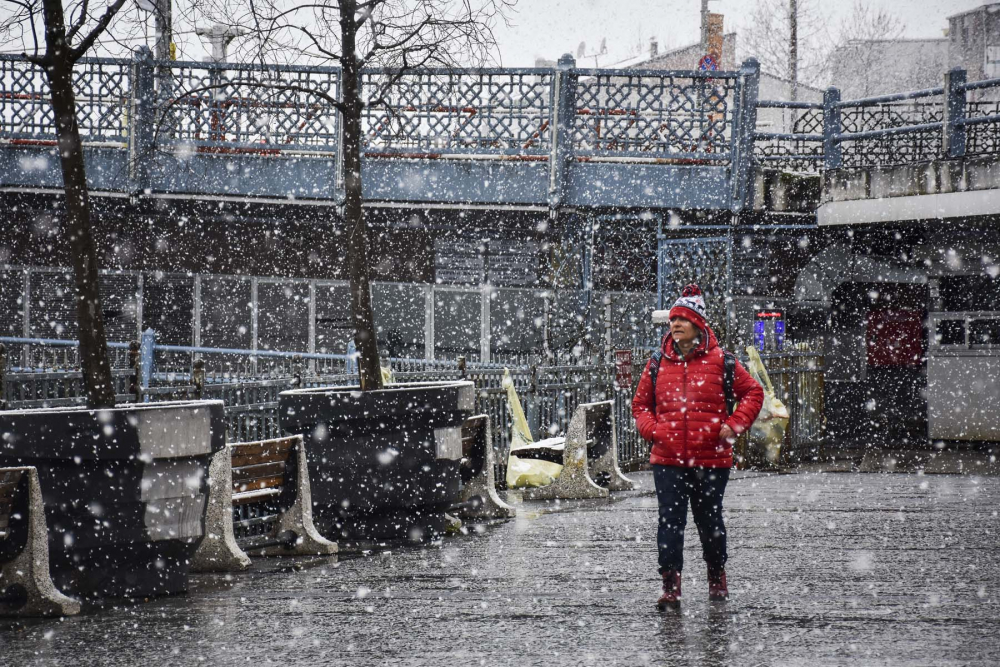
(523, 472)
(387, 376)
(767, 433)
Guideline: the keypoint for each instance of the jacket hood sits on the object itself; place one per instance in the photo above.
(708, 341)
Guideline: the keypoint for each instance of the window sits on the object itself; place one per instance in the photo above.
(984, 332)
(950, 332)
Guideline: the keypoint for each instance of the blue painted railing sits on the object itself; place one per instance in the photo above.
(503, 135)
(500, 135)
(955, 120)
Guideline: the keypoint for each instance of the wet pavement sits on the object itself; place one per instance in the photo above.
(825, 569)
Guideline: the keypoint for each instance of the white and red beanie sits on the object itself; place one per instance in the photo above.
(691, 306)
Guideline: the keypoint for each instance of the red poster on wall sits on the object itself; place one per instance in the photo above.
(623, 369)
(895, 338)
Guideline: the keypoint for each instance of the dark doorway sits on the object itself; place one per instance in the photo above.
(877, 358)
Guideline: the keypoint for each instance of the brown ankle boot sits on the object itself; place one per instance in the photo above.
(718, 591)
(671, 596)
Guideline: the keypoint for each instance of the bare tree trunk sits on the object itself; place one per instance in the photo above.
(94, 360)
(365, 340)
(793, 47)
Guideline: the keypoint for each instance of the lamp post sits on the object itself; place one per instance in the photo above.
(162, 11)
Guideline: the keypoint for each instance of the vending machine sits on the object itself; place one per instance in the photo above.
(769, 331)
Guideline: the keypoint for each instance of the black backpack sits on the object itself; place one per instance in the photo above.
(728, 377)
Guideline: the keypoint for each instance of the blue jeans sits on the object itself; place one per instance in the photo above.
(705, 488)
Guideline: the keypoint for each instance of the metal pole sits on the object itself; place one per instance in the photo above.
(140, 298)
(564, 111)
(953, 133)
(730, 301)
(429, 322)
(793, 47)
(163, 25)
(196, 325)
(311, 344)
(704, 27)
(831, 128)
(253, 323)
(484, 341)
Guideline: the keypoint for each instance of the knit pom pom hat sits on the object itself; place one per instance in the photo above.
(691, 306)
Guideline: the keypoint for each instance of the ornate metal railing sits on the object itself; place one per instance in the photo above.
(868, 144)
(432, 112)
(982, 138)
(247, 107)
(558, 115)
(103, 88)
(654, 114)
(503, 113)
(799, 150)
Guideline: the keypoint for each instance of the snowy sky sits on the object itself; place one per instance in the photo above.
(549, 28)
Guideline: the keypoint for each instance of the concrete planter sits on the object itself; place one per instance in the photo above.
(382, 464)
(124, 490)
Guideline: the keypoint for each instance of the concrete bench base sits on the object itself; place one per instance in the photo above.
(218, 551)
(479, 499)
(292, 535)
(26, 577)
(592, 428)
(298, 519)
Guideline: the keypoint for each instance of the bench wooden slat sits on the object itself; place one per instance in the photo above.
(251, 472)
(268, 451)
(8, 483)
(255, 495)
(260, 483)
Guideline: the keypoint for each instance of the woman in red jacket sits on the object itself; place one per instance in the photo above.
(692, 435)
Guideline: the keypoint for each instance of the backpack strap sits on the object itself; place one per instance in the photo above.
(654, 370)
(729, 379)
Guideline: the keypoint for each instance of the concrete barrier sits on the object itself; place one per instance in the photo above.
(25, 583)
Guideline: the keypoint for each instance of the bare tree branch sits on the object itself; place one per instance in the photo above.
(79, 22)
(96, 31)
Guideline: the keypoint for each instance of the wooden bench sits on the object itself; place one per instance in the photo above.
(589, 456)
(479, 499)
(259, 501)
(26, 588)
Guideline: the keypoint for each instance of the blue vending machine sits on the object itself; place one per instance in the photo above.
(769, 331)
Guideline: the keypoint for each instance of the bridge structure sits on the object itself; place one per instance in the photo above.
(809, 206)
(553, 138)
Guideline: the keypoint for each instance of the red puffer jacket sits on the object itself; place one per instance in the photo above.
(690, 407)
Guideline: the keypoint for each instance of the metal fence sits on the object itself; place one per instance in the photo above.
(549, 395)
(536, 114)
(484, 323)
(103, 90)
(657, 114)
(246, 107)
(955, 120)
